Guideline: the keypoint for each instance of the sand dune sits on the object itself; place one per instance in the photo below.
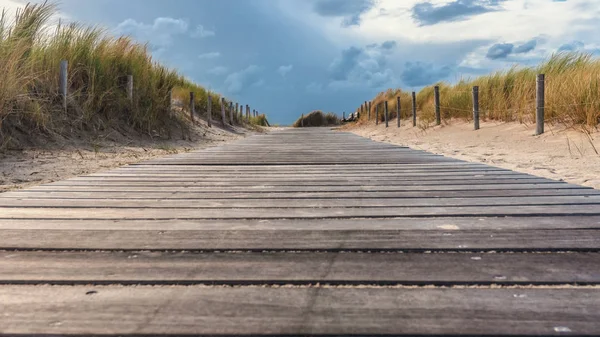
(561, 153)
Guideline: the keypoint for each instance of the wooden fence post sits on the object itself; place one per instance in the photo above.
(540, 98)
(377, 114)
(209, 109)
(223, 104)
(369, 108)
(361, 110)
(414, 108)
(476, 107)
(129, 88)
(63, 82)
(231, 113)
(302, 121)
(192, 106)
(247, 113)
(170, 103)
(237, 109)
(436, 92)
(398, 109)
(385, 112)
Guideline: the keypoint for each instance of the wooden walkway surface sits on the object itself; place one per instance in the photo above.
(301, 232)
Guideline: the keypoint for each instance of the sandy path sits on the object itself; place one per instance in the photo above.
(560, 153)
(19, 169)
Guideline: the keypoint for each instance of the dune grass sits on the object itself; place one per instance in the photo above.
(317, 118)
(30, 54)
(572, 94)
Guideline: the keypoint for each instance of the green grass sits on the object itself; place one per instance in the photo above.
(30, 55)
(572, 94)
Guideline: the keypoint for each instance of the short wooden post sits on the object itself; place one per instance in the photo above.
(192, 106)
(414, 108)
(540, 97)
(63, 82)
(361, 110)
(247, 113)
(369, 108)
(302, 121)
(476, 107)
(170, 103)
(398, 109)
(223, 104)
(209, 109)
(130, 88)
(385, 112)
(438, 117)
(237, 109)
(377, 114)
(231, 113)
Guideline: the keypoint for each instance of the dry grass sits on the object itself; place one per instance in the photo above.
(30, 55)
(572, 94)
(317, 118)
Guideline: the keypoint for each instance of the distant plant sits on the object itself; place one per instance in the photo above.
(317, 118)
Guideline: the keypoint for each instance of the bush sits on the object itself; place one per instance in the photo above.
(317, 118)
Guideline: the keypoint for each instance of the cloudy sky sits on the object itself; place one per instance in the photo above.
(287, 57)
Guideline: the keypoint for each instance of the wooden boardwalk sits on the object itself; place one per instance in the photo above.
(301, 232)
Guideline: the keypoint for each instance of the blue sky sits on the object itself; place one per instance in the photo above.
(287, 57)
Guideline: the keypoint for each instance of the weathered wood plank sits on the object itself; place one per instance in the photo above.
(204, 310)
(292, 213)
(298, 203)
(31, 193)
(298, 268)
(395, 224)
(278, 239)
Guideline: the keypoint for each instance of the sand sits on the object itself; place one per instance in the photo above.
(70, 158)
(561, 153)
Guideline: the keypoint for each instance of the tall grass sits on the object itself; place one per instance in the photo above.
(30, 55)
(572, 94)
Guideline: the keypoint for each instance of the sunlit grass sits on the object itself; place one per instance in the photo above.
(572, 94)
(30, 56)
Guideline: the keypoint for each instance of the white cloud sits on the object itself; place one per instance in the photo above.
(160, 33)
(202, 32)
(284, 70)
(211, 55)
(236, 82)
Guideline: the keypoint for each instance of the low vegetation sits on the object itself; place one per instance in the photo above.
(317, 118)
(30, 54)
(572, 94)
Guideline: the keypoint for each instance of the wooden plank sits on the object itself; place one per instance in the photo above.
(177, 195)
(292, 213)
(298, 203)
(323, 183)
(201, 310)
(298, 268)
(292, 240)
(300, 188)
(360, 225)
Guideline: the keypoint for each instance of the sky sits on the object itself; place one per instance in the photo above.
(288, 57)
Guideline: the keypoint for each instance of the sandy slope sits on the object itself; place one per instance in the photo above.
(30, 167)
(560, 154)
